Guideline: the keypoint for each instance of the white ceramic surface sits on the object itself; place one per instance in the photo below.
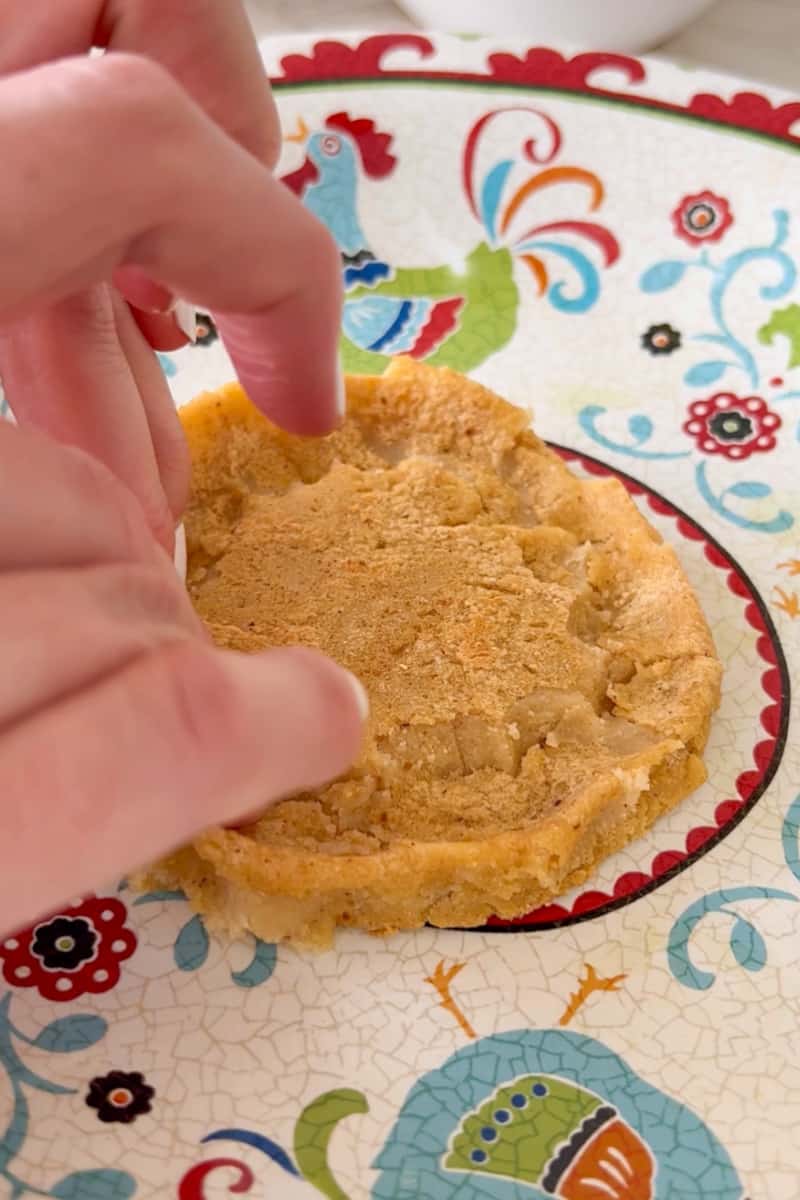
(612, 24)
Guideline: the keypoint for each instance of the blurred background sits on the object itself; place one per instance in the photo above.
(759, 39)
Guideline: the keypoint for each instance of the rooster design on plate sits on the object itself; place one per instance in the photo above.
(527, 1115)
(448, 316)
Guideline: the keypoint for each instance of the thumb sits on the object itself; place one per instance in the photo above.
(178, 740)
(304, 715)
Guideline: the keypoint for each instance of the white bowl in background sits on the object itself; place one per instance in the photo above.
(604, 24)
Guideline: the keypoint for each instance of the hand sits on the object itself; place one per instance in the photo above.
(148, 163)
(122, 731)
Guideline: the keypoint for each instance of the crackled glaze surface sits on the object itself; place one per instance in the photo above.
(614, 244)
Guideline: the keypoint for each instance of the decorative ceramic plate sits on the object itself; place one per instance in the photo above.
(614, 243)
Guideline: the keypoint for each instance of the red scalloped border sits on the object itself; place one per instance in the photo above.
(538, 67)
(750, 784)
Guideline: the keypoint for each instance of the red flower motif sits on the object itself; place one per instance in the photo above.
(734, 426)
(75, 951)
(703, 217)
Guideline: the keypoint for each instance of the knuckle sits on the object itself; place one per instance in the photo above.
(87, 314)
(120, 88)
(99, 489)
(134, 80)
(148, 594)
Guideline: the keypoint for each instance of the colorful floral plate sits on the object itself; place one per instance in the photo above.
(616, 244)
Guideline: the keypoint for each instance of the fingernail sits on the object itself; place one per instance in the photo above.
(184, 315)
(180, 552)
(360, 693)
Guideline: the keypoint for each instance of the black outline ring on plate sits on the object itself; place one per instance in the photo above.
(784, 699)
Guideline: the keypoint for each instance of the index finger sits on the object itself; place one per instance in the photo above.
(206, 45)
(173, 195)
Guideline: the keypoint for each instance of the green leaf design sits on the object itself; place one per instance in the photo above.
(640, 427)
(706, 373)
(356, 361)
(191, 946)
(515, 1133)
(487, 320)
(68, 1034)
(152, 897)
(260, 967)
(95, 1185)
(748, 946)
(749, 489)
(312, 1135)
(787, 322)
(662, 275)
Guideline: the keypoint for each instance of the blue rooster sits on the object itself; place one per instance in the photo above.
(450, 317)
(378, 324)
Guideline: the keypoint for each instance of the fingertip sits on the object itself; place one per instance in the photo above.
(306, 711)
(287, 353)
(298, 387)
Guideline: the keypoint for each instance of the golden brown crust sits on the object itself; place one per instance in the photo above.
(540, 674)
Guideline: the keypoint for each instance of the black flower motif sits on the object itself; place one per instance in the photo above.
(120, 1096)
(64, 943)
(205, 330)
(661, 339)
(731, 426)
